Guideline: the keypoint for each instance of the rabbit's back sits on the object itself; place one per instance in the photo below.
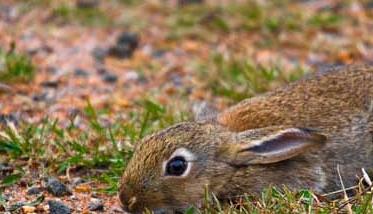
(327, 100)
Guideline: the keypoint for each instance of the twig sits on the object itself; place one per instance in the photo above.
(366, 177)
(339, 191)
(349, 209)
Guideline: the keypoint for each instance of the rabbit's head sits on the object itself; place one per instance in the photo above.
(171, 170)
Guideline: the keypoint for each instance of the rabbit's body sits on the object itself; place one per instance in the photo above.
(327, 100)
(295, 136)
(339, 103)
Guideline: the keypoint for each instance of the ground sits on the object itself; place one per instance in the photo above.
(82, 81)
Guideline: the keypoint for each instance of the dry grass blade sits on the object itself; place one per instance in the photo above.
(366, 177)
(349, 207)
(339, 191)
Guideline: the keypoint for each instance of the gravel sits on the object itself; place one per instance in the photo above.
(56, 188)
(56, 207)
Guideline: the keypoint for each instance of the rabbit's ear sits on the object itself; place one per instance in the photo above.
(271, 147)
(203, 111)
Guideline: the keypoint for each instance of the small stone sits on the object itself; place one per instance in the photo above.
(39, 97)
(73, 197)
(369, 5)
(80, 72)
(50, 84)
(5, 169)
(43, 49)
(78, 180)
(34, 191)
(95, 205)
(5, 118)
(7, 196)
(4, 88)
(56, 207)
(109, 78)
(87, 3)
(125, 45)
(28, 209)
(95, 195)
(83, 188)
(186, 2)
(56, 188)
(52, 70)
(131, 76)
(101, 70)
(99, 54)
(158, 53)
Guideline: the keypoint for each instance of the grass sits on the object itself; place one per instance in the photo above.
(283, 200)
(15, 67)
(99, 146)
(236, 78)
(64, 13)
(105, 148)
(270, 18)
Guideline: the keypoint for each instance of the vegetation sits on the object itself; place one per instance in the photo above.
(63, 148)
(86, 16)
(15, 67)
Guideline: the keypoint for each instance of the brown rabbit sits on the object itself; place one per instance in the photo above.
(295, 136)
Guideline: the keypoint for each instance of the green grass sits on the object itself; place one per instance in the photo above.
(269, 18)
(106, 147)
(97, 146)
(283, 200)
(15, 67)
(85, 16)
(236, 78)
(325, 20)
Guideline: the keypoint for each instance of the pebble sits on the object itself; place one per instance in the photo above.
(56, 207)
(81, 72)
(99, 54)
(39, 97)
(125, 45)
(109, 78)
(50, 84)
(369, 5)
(43, 49)
(51, 70)
(56, 188)
(78, 180)
(131, 76)
(83, 4)
(28, 209)
(4, 118)
(101, 70)
(159, 53)
(186, 2)
(4, 88)
(5, 168)
(34, 190)
(83, 188)
(95, 205)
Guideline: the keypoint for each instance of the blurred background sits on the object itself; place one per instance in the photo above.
(117, 52)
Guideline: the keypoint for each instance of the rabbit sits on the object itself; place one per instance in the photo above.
(297, 136)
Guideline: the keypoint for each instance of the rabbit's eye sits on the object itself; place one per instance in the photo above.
(176, 166)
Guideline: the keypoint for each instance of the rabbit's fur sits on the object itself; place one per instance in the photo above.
(295, 136)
